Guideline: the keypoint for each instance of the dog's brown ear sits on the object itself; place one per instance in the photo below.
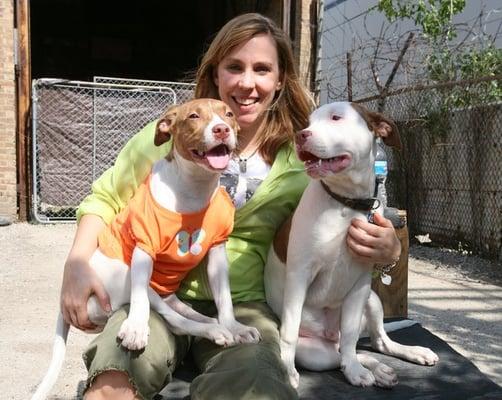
(386, 129)
(162, 134)
(381, 125)
(164, 125)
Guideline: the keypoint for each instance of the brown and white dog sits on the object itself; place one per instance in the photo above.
(204, 133)
(321, 293)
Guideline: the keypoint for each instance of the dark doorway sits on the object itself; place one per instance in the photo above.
(149, 39)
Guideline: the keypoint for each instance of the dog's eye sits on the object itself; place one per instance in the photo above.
(193, 116)
(229, 114)
(335, 117)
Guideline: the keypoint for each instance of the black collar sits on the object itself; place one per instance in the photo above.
(355, 204)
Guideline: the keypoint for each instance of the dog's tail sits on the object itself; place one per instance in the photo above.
(396, 325)
(391, 326)
(58, 353)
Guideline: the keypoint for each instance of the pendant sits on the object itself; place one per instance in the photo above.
(243, 165)
(386, 279)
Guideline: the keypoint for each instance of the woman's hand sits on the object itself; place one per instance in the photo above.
(79, 280)
(373, 243)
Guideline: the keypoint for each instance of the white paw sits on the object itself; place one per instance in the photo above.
(243, 333)
(134, 334)
(357, 375)
(422, 355)
(219, 335)
(384, 376)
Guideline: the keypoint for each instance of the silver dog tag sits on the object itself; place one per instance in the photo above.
(243, 165)
(386, 279)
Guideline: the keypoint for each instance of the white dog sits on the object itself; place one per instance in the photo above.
(321, 293)
(183, 184)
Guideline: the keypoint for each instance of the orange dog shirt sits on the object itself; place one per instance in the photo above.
(176, 242)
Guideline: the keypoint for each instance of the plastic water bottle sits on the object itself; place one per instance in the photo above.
(381, 172)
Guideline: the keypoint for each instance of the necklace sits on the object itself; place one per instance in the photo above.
(243, 166)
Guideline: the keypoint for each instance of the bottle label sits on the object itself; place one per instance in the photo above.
(381, 168)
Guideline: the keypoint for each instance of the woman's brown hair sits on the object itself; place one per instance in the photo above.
(292, 103)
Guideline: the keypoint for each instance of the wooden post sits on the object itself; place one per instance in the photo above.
(23, 77)
(286, 16)
(349, 76)
(394, 297)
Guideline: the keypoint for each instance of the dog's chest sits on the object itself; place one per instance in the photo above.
(333, 270)
(323, 224)
(330, 228)
(178, 195)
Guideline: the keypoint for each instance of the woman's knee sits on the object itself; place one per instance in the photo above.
(246, 372)
(111, 385)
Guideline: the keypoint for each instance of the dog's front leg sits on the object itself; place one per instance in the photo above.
(298, 279)
(217, 271)
(135, 330)
(187, 311)
(181, 325)
(352, 310)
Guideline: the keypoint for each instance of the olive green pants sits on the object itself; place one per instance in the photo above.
(240, 372)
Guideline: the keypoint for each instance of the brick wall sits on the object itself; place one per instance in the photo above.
(8, 202)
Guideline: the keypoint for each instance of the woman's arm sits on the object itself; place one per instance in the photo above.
(79, 280)
(374, 243)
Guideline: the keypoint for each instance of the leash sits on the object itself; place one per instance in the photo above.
(367, 205)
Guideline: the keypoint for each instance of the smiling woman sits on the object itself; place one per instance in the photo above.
(250, 66)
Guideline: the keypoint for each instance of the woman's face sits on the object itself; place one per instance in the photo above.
(247, 79)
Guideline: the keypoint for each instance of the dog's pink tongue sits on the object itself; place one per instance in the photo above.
(218, 162)
(218, 157)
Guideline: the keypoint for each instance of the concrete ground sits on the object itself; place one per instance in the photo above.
(456, 296)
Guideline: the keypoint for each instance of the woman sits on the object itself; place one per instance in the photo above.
(249, 65)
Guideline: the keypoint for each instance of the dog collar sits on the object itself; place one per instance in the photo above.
(356, 204)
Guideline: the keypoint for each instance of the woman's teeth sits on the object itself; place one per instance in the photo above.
(245, 102)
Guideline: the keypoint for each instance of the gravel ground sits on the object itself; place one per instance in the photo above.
(459, 298)
(457, 265)
(456, 296)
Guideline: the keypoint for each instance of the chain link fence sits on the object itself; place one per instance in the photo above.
(449, 175)
(446, 98)
(78, 130)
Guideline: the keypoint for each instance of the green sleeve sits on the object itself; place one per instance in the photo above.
(114, 188)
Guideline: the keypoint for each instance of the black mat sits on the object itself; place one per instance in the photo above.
(454, 377)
